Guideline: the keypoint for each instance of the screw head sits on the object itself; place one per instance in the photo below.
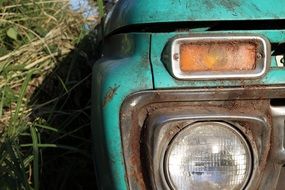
(259, 56)
(282, 60)
(176, 56)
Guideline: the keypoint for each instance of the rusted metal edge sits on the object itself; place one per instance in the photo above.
(134, 104)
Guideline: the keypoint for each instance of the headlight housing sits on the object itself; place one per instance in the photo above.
(208, 155)
(147, 138)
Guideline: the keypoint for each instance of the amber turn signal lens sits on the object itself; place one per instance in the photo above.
(218, 56)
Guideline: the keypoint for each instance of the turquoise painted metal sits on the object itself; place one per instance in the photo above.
(134, 12)
(162, 78)
(132, 63)
(126, 70)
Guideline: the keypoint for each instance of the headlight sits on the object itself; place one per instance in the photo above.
(208, 155)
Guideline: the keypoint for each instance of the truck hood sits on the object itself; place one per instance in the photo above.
(136, 12)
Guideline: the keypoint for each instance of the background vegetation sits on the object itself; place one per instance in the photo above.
(46, 53)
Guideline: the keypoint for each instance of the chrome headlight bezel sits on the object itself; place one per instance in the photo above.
(163, 125)
(148, 114)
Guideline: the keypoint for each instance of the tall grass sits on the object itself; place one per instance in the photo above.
(35, 37)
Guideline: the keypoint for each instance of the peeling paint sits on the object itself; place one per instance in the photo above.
(230, 5)
(110, 94)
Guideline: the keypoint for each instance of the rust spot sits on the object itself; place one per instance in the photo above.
(135, 155)
(230, 5)
(209, 4)
(145, 60)
(110, 94)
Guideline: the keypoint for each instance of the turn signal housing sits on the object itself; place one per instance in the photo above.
(203, 57)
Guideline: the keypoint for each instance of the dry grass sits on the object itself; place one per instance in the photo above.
(36, 48)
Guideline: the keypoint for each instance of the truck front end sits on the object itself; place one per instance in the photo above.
(190, 95)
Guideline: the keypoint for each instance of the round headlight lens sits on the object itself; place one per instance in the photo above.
(208, 155)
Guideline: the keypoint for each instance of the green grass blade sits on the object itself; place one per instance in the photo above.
(101, 8)
(28, 160)
(46, 127)
(21, 96)
(2, 103)
(62, 83)
(36, 158)
(13, 160)
(65, 147)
